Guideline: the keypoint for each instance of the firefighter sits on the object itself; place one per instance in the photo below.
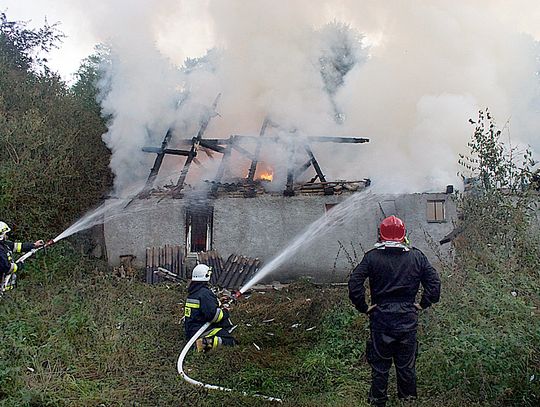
(203, 306)
(395, 271)
(8, 266)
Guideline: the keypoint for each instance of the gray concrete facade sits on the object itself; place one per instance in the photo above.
(265, 225)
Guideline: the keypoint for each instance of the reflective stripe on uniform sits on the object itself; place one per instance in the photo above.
(216, 342)
(191, 303)
(218, 316)
(13, 268)
(17, 247)
(211, 332)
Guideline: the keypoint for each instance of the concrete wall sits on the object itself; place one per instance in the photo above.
(145, 223)
(263, 226)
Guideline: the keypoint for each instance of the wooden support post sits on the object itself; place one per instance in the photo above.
(195, 145)
(157, 163)
(315, 163)
(327, 190)
(289, 189)
(222, 167)
(302, 168)
(255, 161)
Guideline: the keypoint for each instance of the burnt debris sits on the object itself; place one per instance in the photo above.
(295, 146)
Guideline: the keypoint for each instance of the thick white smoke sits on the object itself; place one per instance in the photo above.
(424, 69)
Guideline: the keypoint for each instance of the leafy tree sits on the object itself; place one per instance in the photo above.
(21, 47)
(89, 78)
(54, 165)
(493, 162)
(500, 211)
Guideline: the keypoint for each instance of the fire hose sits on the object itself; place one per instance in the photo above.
(9, 280)
(34, 251)
(188, 379)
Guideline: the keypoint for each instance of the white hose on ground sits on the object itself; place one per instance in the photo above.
(188, 379)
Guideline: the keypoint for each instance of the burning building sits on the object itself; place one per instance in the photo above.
(264, 191)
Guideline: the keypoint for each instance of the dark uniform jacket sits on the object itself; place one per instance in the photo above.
(394, 277)
(7, 248)
(203, 306)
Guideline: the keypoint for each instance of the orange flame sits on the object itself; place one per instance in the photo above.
(267, 176)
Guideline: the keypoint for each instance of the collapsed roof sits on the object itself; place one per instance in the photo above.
(293, 144)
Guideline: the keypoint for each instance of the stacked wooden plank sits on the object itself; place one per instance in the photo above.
(237, 270)
(169, 257)
(331, 188)
(232, 274)
(213, 259)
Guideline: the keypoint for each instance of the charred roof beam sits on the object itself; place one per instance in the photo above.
(250, 191)
(171, 151)
(274, 139)
(195, 144)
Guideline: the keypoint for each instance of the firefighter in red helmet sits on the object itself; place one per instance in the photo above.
(395, 272)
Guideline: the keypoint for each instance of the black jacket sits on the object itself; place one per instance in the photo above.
(203, 306)
(394, 277)
(7, 249)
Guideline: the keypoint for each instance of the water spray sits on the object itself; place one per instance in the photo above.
(355, 204)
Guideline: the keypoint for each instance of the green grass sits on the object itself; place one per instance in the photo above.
(74, 335)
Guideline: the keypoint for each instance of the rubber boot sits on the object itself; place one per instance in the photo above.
(204, 344)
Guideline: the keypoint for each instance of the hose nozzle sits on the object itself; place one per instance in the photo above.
(237, 294)
(49, 243)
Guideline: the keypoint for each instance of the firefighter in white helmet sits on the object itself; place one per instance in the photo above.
(8, 266)
(203, 306)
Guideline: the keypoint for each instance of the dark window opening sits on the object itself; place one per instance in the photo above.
(199, 228)
(435, 211)
(329, 206)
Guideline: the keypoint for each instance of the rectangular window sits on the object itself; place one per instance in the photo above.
(435, 211)
(199, 220)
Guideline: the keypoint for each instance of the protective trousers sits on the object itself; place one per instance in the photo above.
(219, 336)
(381, 349)
(214, 338)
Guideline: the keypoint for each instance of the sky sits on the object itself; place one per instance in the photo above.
(83, 33)
(426, 68)
(82, 37)
(79, 42)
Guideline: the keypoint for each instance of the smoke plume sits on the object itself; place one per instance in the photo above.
(407, 75)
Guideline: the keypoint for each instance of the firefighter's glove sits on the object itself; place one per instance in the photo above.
(38, 243)
(226, 301)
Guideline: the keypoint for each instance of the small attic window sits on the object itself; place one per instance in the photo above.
(435, 211)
